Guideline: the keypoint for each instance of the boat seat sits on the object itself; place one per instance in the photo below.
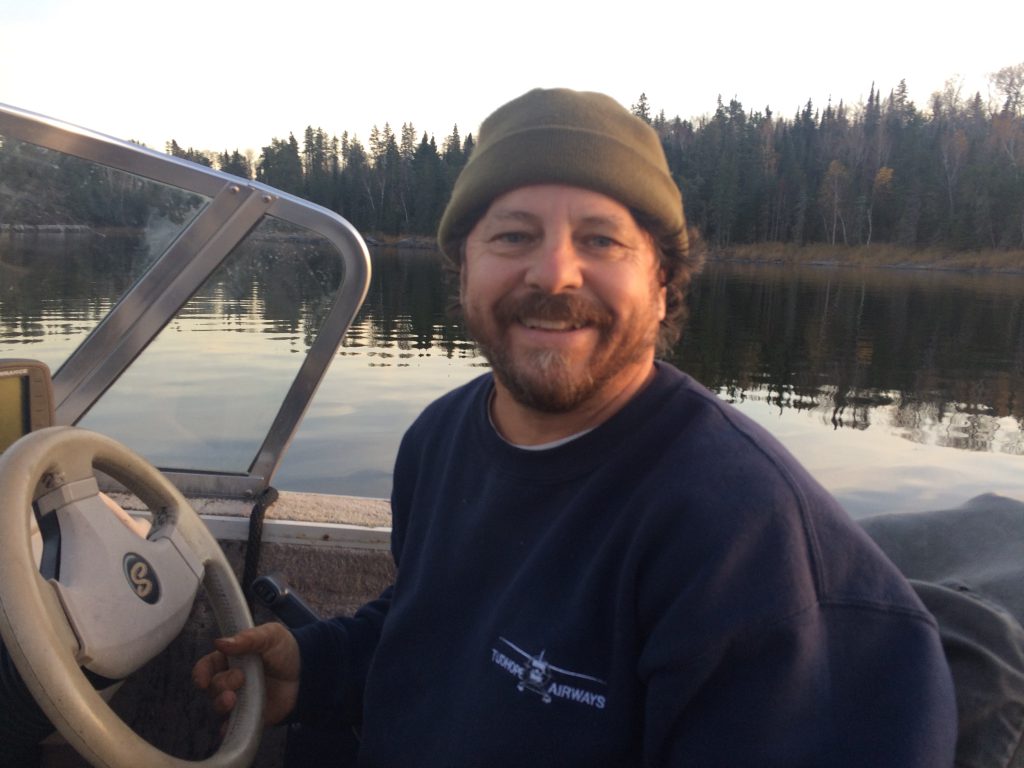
(967, 566)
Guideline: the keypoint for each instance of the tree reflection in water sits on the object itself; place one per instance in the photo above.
(932, 357)
(935, 355)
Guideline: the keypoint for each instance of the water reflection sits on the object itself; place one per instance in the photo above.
(405, 311)
(55, 288)
(934, 357)
(869, 376)
(74, 236)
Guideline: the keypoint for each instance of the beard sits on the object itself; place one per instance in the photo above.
(552, 380)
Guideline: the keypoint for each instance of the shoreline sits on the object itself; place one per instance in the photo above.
(884, 256)
(880, 256)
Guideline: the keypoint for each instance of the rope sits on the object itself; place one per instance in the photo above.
(255, 541)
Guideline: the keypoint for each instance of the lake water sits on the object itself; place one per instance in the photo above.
(900, 390)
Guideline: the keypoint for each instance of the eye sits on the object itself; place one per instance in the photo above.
(512, 237)
(601, 244)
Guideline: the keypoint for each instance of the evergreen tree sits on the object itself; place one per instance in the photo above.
(642, 109)
(407, 147)
(429, 185)
(235, 163)
(280, 165)
(193, 155)
(406, 195)
(356, 190)
(453, 156)
(317, 166)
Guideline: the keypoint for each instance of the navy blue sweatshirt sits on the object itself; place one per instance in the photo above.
(669, 589)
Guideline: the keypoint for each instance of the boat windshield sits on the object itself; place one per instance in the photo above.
(138, 277)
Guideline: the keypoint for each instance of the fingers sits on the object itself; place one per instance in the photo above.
(225, 701)
(221, 682)
(260, 640)
(255, 640)
(279, 653)
(274, 644)
(207, 667)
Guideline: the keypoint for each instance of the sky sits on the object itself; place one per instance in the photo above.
(222, 75)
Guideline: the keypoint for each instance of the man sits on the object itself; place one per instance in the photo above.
(600, 563)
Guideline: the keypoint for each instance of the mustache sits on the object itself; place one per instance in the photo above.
(560, 307)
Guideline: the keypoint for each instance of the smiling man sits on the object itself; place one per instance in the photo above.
(561, 290)
(599, 562)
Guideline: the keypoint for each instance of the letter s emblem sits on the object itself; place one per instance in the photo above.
(141, 578)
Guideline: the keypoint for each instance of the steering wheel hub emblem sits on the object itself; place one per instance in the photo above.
(141, 578)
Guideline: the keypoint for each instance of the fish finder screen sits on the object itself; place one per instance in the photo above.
(14, 409)
(26, 399)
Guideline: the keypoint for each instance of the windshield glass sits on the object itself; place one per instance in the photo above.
(204, 393)
(187, 312)
(74, 237)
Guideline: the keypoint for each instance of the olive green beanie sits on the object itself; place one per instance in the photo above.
(561, 136)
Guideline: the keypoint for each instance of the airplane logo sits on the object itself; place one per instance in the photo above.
(538, 675)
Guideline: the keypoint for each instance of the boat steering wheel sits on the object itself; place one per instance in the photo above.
(109, 600)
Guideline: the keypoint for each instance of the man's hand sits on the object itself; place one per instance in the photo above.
(281, 664)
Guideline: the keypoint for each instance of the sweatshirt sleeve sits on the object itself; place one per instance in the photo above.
(837, 685)
(336, 655)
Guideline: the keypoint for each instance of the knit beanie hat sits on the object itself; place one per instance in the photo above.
(561, 136)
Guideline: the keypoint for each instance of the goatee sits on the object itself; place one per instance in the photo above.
(549, 380)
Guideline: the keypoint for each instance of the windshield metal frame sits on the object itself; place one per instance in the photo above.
(236, 206)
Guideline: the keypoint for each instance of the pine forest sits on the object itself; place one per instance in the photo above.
(949, 175)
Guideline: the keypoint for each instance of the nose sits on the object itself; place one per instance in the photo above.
(555, 266)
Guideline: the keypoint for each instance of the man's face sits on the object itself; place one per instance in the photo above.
(560, 288)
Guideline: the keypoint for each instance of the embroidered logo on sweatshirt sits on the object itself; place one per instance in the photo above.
(537, 675)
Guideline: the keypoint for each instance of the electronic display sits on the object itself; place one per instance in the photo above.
(26, 399)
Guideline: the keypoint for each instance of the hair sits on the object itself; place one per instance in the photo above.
(680, 259)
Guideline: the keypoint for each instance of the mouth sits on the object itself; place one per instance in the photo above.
(557, 315)
(541, 324)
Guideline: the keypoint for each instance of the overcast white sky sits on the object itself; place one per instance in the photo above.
(221, 74)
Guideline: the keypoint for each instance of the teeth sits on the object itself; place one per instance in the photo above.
(549, 325)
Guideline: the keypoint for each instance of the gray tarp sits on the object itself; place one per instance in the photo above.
(967, 565)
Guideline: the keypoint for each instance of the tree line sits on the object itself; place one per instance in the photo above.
(397, 185)
(949, 175)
